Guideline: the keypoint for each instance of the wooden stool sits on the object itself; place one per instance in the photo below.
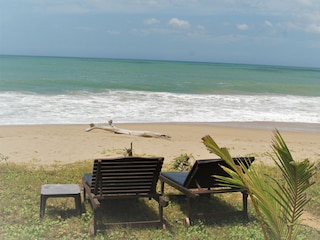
(59, 191)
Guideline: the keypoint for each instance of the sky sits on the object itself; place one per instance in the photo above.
(273, 32)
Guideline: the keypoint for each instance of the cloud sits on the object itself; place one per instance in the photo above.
(196, 6)
(175, 22)
(113, 32)
(200, 27)
(151, 21)
(304, 13)
(305, 2)
(313, 28)
(268, 24)
(242, 27)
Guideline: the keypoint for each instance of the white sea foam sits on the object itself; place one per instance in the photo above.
(138, 106)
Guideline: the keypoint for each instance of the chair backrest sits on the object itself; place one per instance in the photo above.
(128, 176)
(203, 171)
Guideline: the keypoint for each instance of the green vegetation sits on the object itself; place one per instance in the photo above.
(20, 201)
(279, 202)
(182, 163)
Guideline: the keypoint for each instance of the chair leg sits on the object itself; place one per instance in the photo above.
(161, 214)
(77, 201)
(161, 205)
(43, 200)
(162, 188)
(187, 221)
(245, 204)
(95, 221)
(93, 227)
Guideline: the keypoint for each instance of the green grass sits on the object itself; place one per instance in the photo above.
(20, 201)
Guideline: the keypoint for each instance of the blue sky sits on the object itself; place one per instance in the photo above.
(276, 32)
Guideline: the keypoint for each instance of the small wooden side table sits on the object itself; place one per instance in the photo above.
(60, 191)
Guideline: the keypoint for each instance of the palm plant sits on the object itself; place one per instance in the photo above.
(278, 202)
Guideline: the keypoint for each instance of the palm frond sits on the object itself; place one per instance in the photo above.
(278, 203)
(290, 193)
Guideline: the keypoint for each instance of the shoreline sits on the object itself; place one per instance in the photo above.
(66, 143)
(266, 125)
(282, 126)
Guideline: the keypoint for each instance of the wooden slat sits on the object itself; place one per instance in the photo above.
(125, 175)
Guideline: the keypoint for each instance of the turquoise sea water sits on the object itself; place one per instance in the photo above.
(40, 90)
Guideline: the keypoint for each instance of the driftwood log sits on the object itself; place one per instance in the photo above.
(110, 127)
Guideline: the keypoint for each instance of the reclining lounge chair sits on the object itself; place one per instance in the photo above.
(200, 181)
(124, 178)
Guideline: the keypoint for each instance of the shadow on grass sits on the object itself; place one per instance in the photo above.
(209, 209)
(137, 213)
(61, 208)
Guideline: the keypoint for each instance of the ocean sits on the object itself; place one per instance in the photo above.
(61, 90)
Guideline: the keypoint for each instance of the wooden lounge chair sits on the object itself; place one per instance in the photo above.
(200, 181)
(124, 178)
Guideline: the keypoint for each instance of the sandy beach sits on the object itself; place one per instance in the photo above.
(48, 144)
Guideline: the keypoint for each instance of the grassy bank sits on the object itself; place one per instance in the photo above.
(20, 200)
